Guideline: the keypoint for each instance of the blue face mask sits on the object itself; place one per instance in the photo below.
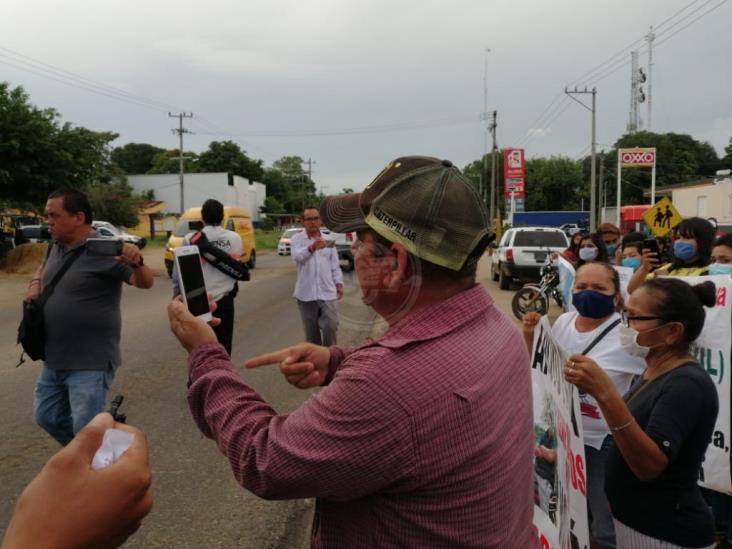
(720, 269)
(593, 304)
(632, 262)
(611, 249)
(588, 254)
(684, 251)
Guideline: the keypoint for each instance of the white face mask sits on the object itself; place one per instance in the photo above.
(629, 342)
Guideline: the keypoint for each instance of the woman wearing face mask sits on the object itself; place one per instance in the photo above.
(691, 251)
(571, 254)
(663, 425)
(632, 250)
(722, 256)
(593, 331)
(611, 236)
(592, 248)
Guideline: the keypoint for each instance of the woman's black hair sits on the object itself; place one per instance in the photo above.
(599, 243)
(724, 240)
(703, 233)
(682, 302)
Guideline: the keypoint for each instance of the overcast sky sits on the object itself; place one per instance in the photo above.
(353, 84)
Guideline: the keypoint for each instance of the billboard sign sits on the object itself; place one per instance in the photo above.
(638, 158)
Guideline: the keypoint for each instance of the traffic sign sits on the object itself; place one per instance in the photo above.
(662, 217)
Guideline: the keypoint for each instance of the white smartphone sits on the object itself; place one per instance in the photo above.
(193, 286)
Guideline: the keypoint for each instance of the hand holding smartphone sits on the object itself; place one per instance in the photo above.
(651, 245)
(193, 286)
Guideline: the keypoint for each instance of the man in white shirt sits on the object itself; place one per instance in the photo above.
(319, 280)
(219, 284)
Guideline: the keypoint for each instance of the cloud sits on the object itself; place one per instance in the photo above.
(539, 132)
(210, 57)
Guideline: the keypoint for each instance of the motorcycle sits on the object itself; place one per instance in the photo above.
(535, 297)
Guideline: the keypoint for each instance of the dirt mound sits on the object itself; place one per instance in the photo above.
(24, 259)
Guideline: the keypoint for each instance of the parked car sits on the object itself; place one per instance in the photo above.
(343, 245)
(283, 246)
(32, 233)
(235, 219)
(107, 230)
(571, 228)
(522, 251)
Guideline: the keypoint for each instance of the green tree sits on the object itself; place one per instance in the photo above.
(726, 162)
(227, 156)
(298, 188)
(38, 154)
(114, 202)
(167, 162)
(135, 158)
(554, 183)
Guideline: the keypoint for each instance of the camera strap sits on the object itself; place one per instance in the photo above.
(600, 336)
(219, 258)
(48, 290)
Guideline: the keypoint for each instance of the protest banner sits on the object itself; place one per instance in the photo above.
(566, 281)
(625, 274)
(560, 487)
(712, 351)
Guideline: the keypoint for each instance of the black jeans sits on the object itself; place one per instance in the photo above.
(224, 331)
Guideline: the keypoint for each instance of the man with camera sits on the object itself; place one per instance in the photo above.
(82, 316)
(420, 438)
(319, 280)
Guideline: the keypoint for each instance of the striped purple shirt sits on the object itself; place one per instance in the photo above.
(423, 438)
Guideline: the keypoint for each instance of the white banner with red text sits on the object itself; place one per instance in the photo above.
(560, 487)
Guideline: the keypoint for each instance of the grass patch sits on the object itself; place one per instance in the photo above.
(157, 242)
(267, 240)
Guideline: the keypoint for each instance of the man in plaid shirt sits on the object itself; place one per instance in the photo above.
(421, 438)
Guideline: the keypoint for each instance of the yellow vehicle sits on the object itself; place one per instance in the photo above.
(235, 219)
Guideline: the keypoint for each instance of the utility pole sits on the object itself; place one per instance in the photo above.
(650, 37)
(484, 175)
(593, 182)
(494, 202)
(633, 125)
(306, 182)
(601, 194)
(180, 130)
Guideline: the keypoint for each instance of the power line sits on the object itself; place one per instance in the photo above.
(616, 62)
(35, 66)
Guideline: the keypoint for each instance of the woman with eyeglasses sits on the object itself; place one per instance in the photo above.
(692, 252)
(664, 423)
(593, 331)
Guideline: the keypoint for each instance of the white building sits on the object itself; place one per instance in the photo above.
(230, 190)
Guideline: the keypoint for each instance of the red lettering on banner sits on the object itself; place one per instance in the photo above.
(575, 465)
(543, 542)
(579, 466)
(722, 297)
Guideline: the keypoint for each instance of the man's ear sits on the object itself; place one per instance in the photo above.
(399, 267)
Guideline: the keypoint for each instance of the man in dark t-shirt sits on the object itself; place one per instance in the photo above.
(82, 318)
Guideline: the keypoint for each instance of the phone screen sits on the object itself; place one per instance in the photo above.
(191, 275)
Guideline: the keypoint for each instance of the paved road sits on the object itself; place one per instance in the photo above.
(197, 501)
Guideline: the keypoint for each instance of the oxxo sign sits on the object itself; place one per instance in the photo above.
(637, 158)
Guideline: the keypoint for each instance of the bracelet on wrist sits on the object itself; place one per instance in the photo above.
(623, 426)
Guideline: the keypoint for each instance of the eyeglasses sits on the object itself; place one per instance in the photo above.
(625, 318)
(311, 218)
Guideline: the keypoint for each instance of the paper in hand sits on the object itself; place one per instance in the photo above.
(114, 444)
